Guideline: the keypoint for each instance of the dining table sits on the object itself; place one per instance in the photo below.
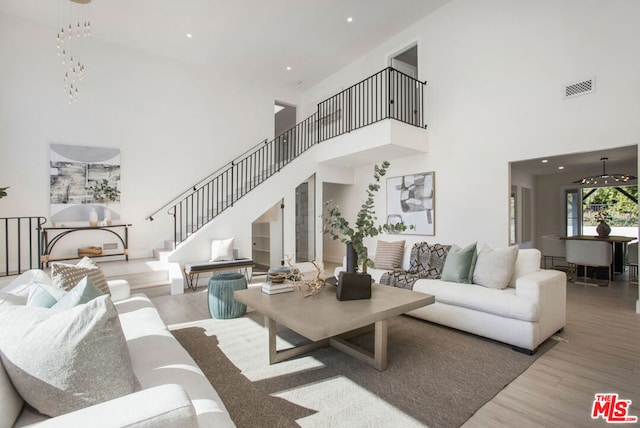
(618, 247)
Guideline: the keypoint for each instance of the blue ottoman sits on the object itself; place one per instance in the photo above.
(220, 299)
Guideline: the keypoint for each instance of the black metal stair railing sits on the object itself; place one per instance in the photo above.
(388, 94)
(21, 239)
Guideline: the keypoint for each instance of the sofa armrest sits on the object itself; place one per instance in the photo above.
(543, 282)
(549, 289)
(119, 289)
(164, 405)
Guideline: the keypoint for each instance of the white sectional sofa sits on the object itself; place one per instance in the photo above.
(524, 314)
(172, 391)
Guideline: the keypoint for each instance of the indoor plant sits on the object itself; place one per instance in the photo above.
(103, 192)
(3, 192)
(339, 228)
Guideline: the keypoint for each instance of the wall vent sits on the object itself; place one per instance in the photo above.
(582, 87)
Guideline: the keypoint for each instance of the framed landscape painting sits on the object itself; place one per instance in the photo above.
(411, 200)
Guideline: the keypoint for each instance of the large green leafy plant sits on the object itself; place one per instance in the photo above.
(365, 226)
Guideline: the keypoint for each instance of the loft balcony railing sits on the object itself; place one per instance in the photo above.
(20, 237)
(388, 94)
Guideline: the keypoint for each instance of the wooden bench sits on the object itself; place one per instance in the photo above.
(191, 270)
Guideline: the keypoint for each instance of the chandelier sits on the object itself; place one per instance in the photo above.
(605, 177)
(72, 30)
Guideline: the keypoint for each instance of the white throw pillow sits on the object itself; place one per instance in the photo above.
(10, 401)
(528, 261)
(222, 249)
(494, 267)
(21, 284)
(61, 361)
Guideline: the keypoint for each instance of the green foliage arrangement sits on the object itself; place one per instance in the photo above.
(103, 192)
(3, 192)
(338, 228)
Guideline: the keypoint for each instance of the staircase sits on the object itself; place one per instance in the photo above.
(388, 94)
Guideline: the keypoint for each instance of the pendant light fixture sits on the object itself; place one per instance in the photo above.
(605, 178)
(74, 27)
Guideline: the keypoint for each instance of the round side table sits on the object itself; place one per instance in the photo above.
(220, 299)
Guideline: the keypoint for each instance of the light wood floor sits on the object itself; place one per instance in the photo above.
(599, 352)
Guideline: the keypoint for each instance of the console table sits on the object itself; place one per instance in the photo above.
(51, 235)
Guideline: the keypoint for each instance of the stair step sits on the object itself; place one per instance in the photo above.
(140, 273)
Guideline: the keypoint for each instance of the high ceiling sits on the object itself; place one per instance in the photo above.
(259, 38)
(620, 160)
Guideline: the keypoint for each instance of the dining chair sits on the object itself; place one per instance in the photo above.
(632, 261)
(589, 254)
(551, 246)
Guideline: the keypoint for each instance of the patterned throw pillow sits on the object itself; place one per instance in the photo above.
(389, 255)
(67, 276)
(61, 361)
(436, 260)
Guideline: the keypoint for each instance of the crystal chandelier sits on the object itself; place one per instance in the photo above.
(72, 30)
(605, 177)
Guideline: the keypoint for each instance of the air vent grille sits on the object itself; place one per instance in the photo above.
(580, 88)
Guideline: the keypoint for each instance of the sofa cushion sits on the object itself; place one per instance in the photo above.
(85, 362)
(494, 267)
(528, 261)
(504, 303)
(81, 293)
(389, 255)
(458, 264)
(66, 276)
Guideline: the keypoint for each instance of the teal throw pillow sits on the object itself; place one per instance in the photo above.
(84, 292)
(43, 295)
(458, 267)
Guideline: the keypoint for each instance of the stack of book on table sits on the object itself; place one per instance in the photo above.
(271, 288)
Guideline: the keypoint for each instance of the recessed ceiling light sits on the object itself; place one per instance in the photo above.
(545, 160)
(349, 19)
(560, 167)
(189, 35)
(288, 68)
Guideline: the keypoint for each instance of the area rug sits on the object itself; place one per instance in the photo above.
(436, 376)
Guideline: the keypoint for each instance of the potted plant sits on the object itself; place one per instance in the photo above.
(338, 228)
(104, 193)
(3, 192)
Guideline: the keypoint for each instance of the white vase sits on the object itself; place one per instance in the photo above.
(93, 217)
(107, 216)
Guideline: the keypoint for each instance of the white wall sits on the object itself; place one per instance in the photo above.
(174, 123)
(496, 70)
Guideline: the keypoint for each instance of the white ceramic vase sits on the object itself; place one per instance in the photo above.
(93, 217)
(107, 216)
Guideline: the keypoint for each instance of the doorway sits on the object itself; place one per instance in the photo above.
(305, 220)
(406, 60)
(285, 116)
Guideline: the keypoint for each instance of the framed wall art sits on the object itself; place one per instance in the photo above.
(411, 200)
(72, 170)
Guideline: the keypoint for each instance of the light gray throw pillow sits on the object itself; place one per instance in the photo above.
(61, 361)
(495, 267)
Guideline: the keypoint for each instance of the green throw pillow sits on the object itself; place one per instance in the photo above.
(43, 295)
(83, 292)
(458, 267)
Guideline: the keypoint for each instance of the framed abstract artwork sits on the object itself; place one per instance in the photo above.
(74, 168)
(411, 200)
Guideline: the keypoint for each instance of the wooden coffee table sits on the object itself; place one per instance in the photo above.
(325, 320)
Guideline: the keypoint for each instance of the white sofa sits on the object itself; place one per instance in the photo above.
(172, 392)
(525, 314)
